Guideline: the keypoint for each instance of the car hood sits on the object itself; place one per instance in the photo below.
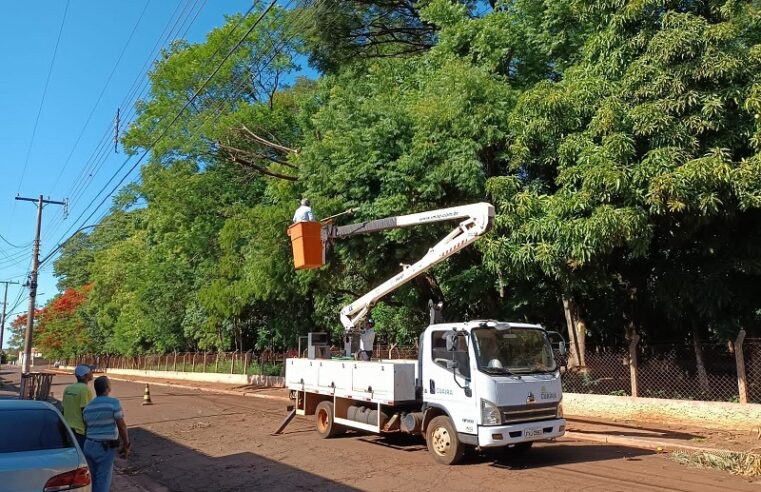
(30, 470)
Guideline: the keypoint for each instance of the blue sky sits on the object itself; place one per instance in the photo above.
(94, 35)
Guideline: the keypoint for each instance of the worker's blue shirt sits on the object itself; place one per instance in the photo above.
(304, 214)
(100, 417)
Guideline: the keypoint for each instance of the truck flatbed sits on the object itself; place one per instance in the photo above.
(387, 382)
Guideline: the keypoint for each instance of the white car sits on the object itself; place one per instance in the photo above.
(38, 451)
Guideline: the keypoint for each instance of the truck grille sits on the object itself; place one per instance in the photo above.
(529, 413)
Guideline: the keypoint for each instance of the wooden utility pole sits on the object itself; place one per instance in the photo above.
(28, 335)
(2, 319)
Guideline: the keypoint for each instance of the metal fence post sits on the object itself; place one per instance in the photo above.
(204, 361)
(174, 364)
(193, 364)
(634, 364)
(740, 361)
(216, 364)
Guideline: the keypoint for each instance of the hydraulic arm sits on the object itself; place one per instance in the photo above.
(476, 221)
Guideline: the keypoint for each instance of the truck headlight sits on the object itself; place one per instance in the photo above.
(490, 413)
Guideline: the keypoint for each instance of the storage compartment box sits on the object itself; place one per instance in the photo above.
(389, 381)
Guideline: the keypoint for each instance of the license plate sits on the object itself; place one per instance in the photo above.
(533, 432)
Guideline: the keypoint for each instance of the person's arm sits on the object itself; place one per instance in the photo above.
(84, 399)
(121, 425)
(124, 449)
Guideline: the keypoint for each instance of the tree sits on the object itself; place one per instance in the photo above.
(645, 146)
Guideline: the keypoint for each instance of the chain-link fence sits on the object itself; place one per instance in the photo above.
(728, 372)
(605, 372)
(682, 371)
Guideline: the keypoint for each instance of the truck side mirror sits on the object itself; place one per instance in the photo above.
(561, 348)
(452, 364)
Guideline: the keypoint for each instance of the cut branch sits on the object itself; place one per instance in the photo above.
(249, 164)
(263, 141)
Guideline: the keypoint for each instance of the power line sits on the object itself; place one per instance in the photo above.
(176, 117)
(100, 96)
(274, 49)
(98, 157)
(42, 101)
(14, 245)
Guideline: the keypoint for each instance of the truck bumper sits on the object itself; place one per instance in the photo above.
(505, 435)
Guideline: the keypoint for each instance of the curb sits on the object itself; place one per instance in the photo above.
(657, 446)
(187, 387)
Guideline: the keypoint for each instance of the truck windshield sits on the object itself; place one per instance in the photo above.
(513, 351)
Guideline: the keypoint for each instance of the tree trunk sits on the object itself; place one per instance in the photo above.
(576, 333)
(700, 363)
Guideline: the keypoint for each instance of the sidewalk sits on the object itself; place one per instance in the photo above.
(655, 436)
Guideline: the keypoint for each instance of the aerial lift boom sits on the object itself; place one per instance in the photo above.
(477, 217)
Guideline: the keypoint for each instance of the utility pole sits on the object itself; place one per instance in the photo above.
(2, 319)
(28, 335)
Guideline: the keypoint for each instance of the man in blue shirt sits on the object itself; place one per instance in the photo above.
(304, 212)
(104, 421)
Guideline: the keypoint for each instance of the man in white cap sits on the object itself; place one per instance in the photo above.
(75, 397)
(304, 212)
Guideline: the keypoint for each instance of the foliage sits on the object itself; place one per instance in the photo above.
(618, 140)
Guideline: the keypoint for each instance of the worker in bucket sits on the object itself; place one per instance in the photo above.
(304, 212)
(366, 340)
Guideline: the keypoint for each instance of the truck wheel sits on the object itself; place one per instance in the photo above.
(323, 416)
(442, 440)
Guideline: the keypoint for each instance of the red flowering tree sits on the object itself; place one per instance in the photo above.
(61, 328)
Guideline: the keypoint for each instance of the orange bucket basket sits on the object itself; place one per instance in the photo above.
(306, 242)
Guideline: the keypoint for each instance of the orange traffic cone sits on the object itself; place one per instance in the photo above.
(147, 396)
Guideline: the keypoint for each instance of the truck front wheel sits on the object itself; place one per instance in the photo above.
(323, 416)
(442, 440)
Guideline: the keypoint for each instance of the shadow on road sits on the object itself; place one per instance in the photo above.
(558, 454)
(182, 468)
(630, 430)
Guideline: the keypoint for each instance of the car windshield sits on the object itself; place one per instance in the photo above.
(32, 430)
(513, 351)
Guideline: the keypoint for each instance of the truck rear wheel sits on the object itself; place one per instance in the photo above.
(323, 417)
(442, 440)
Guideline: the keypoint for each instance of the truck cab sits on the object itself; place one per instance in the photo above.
(498, 384)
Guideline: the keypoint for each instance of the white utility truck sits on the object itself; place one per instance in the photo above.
(483, 384)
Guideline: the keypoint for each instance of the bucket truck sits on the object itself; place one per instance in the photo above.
(480, 384)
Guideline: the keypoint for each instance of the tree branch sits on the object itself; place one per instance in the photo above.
(262, 141)
(246, 163)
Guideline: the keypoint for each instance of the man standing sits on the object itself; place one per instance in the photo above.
(366, 340)
(75, 397)
(104, 419)
(304, 213)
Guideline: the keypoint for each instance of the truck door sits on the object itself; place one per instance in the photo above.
(446, 380)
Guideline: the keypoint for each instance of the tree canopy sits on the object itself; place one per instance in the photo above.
(619, 141)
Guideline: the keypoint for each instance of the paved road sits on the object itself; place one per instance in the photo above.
(190, 440)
